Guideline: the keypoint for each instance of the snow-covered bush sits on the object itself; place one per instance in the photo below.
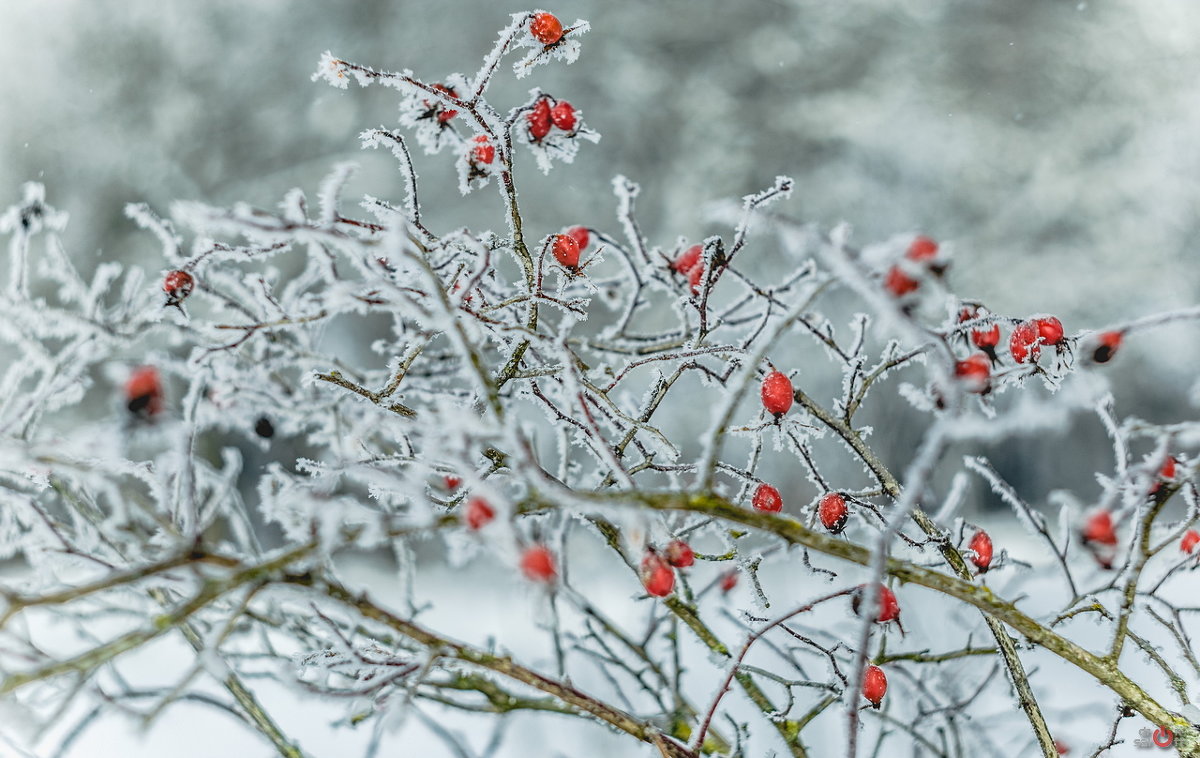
(500, 397)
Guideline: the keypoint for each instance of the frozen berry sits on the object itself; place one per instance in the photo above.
(922, 249)
(1190, 539)
(144, 392)
(478, 513)
(889, 608)
(566, 250)
(1106, 346)
(546, 28)
(1061, 748)
(1099, 529)
(687, 260)
(833, 512)
(974, 372)
(1167, 471)
(767, 499)
(695, 277)
(874, 685)
(679, 554)
(1050, 330)
(981, 547)
(264, 428)
(657, 576)
(899, 283)
(178, 285)
(563, 116)
(444, 114)
(580, 235)
(537, 563)
(451, 482)
(1024, 344)
(539, 119)
(729, 580)
(483, 151)
(777, 393)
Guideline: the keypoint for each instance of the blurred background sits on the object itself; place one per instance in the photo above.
(1054, 144)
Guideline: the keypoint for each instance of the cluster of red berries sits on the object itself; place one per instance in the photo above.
(658, 568)
(923, 251)
(1099, 532)
(568, 246)
(1024, 344)
(544, 117)
(1027, 338)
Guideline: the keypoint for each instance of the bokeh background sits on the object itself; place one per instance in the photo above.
(1054, 144)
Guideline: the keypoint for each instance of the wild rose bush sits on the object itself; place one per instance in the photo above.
(534, 398)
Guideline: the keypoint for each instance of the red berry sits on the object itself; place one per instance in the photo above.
(1190, 539)
(1168, 468)
(688, 259)
(1061, 748)
(580, 235)
(1106, 346)
(144, 391)
(986, 337)
(178, 285)
(563, 116)
(833, 512)
(766, 498)
(546, 28)
(484, 151)
(444, 114)
(974, 371)
(889, 608)
(478, 513)
(981, 546)
(777, 393)
(539, 119)
(1099, 529)
(537, 563)
(729, 580)
(695, 276)
(566, 250)
(657, 576)
(922, 249)
(1050, 330)
(899, 283)
(451, 481)
(680, 554)
(1024, 343)
(874, 685)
